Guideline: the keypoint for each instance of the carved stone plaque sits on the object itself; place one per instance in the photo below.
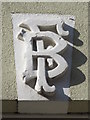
(43, 55)
(47, 44)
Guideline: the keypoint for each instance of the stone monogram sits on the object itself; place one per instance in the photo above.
(30, 33)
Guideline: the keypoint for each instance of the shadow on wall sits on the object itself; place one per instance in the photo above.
(77, 77)
(78, 59)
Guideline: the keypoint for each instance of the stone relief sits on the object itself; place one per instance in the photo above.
(43, 43)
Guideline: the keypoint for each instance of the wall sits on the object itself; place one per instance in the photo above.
(79, 76)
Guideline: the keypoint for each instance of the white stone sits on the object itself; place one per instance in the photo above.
(30, 24)
(62, 64)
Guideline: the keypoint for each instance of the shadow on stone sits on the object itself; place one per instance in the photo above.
(76, 41)
(78, 59)
(77, 77)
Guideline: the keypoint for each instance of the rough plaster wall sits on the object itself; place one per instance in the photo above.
(0, 61)
(0, 52)
(8, 66)
(79, 78)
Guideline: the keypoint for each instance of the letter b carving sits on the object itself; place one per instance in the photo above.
(30, 33)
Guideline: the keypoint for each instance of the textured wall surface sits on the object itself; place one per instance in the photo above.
(79, 76)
